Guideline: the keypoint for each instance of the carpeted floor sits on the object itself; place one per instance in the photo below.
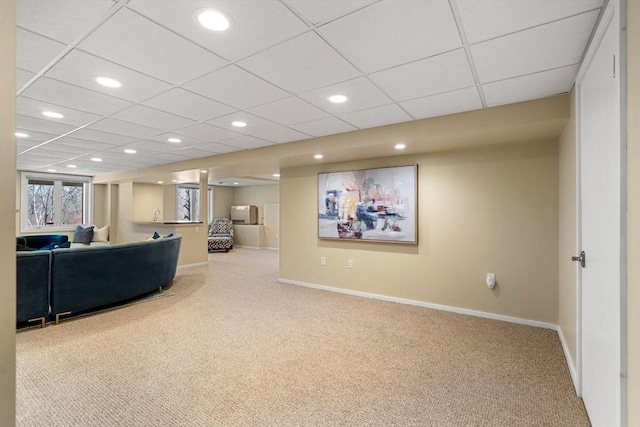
(233, 347)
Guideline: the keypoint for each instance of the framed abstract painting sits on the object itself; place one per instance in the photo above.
(374, 205)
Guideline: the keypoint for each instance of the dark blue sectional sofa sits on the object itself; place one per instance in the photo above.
(71, 281)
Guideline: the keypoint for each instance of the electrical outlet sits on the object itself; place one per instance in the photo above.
(350, 263)
(323, 260)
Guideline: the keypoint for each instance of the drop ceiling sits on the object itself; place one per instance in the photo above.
(274, 69)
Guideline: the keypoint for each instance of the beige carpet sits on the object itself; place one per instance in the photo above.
(233, 347)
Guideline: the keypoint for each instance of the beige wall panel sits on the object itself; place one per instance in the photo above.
(169, 199)
(271, 225)
(146, 198)
(482, 210)
(100, 205)
(7, 213)
(222, 201)
(568, 297)
(633, 212)
(257, 195)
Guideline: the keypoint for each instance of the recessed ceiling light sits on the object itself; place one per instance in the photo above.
(174, 140)
(96, 159)
(51, 170)
(203, 171)
(338, 99)
(21, 135)
(130, 151)
(236, 183)
(159, 182)
(72, 166)
(318, 156)
(52, 115)
(213, 19)
(174, 180)
(400, 146)
(108, 82)
(238, 124)
(276, 175)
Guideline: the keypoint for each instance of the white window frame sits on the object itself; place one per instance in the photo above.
(209, 200)
(87, 202)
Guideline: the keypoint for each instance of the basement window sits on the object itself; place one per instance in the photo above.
(54, 202)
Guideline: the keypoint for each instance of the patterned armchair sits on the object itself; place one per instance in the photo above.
(220, 235)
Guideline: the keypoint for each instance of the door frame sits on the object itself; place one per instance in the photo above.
(614, 9)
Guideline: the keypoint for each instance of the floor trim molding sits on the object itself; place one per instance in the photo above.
(510, 319)
(197, 264)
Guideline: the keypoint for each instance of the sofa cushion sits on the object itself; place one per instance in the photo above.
(100, 234)
(83, 234)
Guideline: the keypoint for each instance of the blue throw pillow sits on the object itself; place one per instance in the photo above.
(155, 235)
(83, 235)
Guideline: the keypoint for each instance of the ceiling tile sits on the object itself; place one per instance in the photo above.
(247, 142)
(283, 134)
(135, 42)
(35, 108)
(288, 111)
(255, 124)
(80, 69)
(323, 127)
(532, 86)
(216, 148)
(124, 128)
(155, 146)
(378, 116)
(255, 26)
(186, 141)
(187, 104)
(99, 136)
(384, 35)
(318, 12)
(235, 87)
(444, 103)
(34, 135)
(487, 19)
(361, 94)
(542, 48)
(29, 123)
(34, 52)
(22, 78)
(76, 142)
(64, 94)
(192, 153)
(153, 118)
(207, 133)
(429, 76)
(62, 20)
(25, 144)
(68, 149)
(303, 63)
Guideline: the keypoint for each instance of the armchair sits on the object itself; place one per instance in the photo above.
(220, 235)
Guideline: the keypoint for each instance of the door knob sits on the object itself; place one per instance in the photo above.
(582, 259)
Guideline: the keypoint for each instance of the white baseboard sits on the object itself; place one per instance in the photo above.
(468, 312)
(510, 319)
(270, 249)
(567, 356)
(246, 247)
(193, 265)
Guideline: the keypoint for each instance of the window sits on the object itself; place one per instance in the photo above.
(54, 201)
(188, 203)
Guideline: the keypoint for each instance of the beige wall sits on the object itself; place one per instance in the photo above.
(222, 201)
(257, 195)
(100, 205)
(146, 198)
(7, 213)
(169, 201)
(567, 295)
(491, 209)
(633, 212)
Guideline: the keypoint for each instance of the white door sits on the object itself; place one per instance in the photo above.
(601, 222)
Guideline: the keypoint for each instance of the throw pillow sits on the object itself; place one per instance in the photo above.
(101, 234)
(83, 235)
(155, 235)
